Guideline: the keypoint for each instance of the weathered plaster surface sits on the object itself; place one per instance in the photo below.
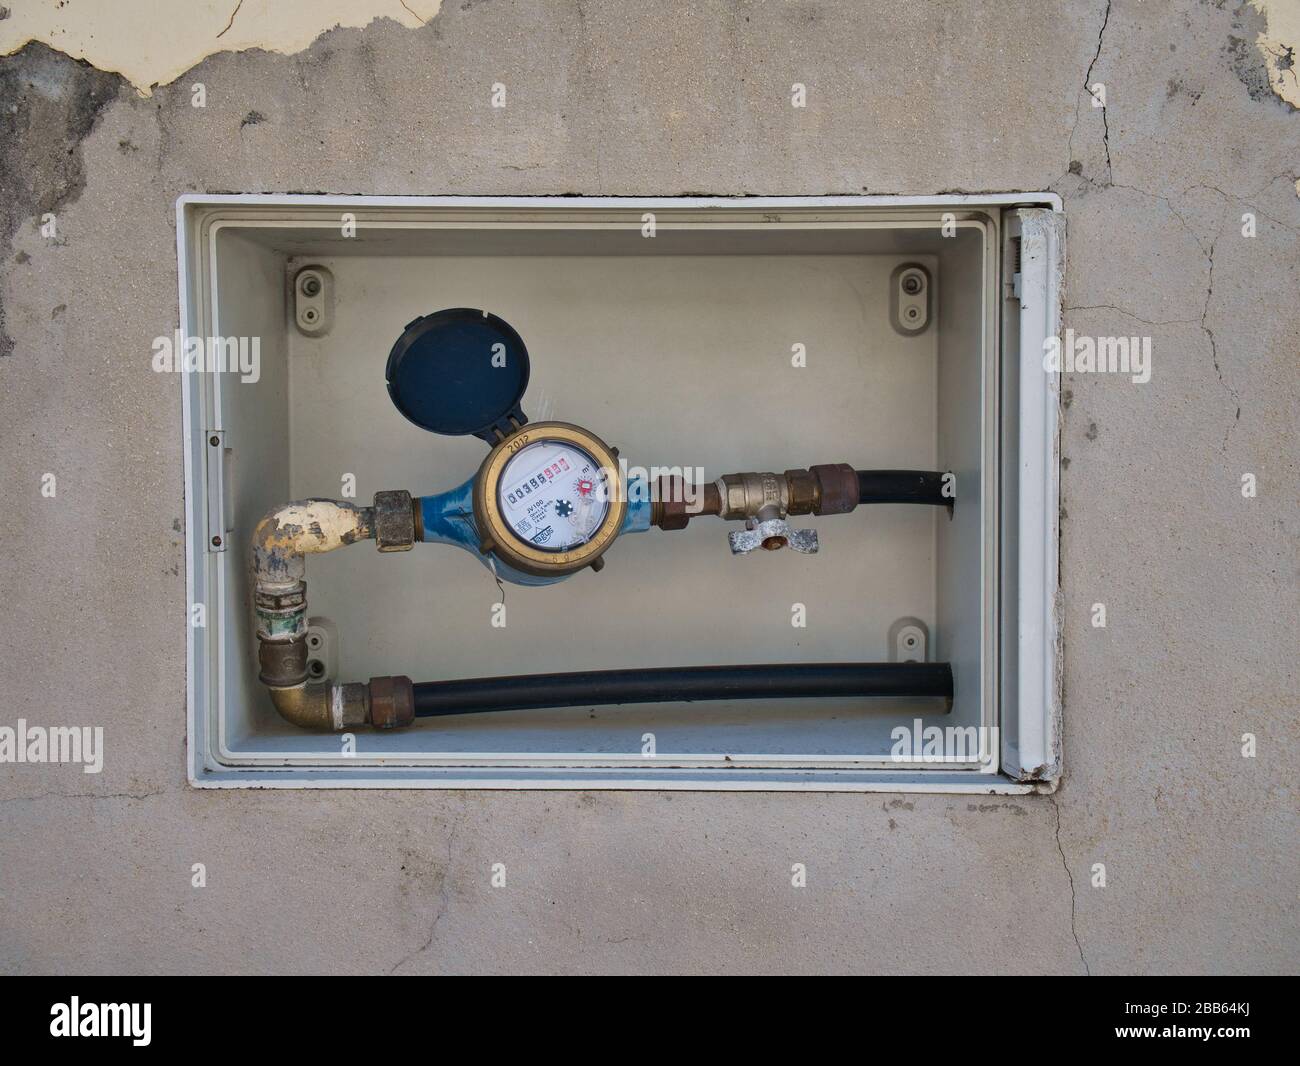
(129, 38)
(149, 46)
(661, 98)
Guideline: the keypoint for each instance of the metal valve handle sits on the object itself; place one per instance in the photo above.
(772, 535)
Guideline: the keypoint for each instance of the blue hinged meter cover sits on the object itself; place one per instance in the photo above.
(460, 371)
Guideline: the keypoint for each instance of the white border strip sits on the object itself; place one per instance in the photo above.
(1042, 250)
(1001, 199)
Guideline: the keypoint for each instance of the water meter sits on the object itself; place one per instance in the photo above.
(549, 498)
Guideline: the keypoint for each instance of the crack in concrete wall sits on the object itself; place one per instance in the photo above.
(1074, 899)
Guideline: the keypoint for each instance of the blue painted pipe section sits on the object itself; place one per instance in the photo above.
(449, 519)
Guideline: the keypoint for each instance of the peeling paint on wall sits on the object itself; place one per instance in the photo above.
(1279, 44)
(48, 104)
(152, 46)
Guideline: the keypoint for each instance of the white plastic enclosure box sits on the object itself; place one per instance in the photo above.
(721, 334)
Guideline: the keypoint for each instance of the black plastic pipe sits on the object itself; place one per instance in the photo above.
(685, 684)
(902, 486)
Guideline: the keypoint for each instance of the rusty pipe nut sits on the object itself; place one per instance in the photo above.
(283, 663)
(392, 702)
(837, 488)
(394, 521)
(670, 506)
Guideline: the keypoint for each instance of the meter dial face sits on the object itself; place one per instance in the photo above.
(553, 495)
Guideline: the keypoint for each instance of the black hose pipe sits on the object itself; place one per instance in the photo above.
(902, 486)
(686, 684)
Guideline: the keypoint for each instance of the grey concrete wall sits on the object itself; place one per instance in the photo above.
(1199, 583)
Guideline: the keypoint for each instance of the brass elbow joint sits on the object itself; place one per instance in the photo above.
(321, 706)
(384, 703)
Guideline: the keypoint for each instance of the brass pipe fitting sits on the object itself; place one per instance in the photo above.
(385, 703)
(669, 508)
(322, 706)
(754, 495)
(835, 487)
(283, 663)
(280, 542)
(828, 488)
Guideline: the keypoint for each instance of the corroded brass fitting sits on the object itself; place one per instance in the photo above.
(835, 488)
(281, 611)
(282, 663)
(395, 521)
(392, 702)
